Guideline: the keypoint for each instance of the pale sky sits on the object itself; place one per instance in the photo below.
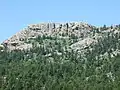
(17, 14)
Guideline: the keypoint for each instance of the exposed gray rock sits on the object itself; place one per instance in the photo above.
(83, 31)
(51, 29)
(83, 43)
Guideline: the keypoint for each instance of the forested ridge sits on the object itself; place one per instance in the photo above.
(54, 63)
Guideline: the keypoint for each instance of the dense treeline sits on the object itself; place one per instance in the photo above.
(71, 75)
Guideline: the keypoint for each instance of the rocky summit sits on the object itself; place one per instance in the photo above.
(60, 30)
(86, 34)
(61, 56)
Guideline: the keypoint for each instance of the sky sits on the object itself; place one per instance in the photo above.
(15, 15)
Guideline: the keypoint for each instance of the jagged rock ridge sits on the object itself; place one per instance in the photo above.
(86, 34)
(48, 29)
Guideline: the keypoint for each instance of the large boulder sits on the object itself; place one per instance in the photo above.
(1, 48)
(82, 44)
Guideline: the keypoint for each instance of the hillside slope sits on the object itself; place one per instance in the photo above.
(61, 56)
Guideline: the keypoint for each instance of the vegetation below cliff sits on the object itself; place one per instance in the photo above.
(63, 62)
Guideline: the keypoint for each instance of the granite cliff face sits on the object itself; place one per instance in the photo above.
(17, 41)
(85, 34)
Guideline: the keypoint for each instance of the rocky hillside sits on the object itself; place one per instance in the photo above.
(60, 30)
(61, 56)
(86, 35)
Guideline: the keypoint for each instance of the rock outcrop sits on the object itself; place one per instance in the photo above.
(17, 41)
(86, 34)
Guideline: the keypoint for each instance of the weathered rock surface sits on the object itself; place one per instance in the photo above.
(83, 43)
(17, 41)
(86, 34)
